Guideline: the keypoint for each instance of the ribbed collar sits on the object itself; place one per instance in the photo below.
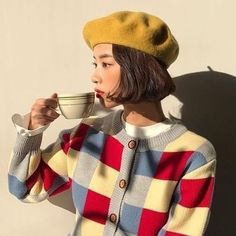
(160, 140)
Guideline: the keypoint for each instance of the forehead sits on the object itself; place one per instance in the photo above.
(103, 48)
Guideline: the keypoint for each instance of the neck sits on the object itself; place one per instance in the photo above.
(143, 114)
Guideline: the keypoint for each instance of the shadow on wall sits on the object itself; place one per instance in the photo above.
(209, 109)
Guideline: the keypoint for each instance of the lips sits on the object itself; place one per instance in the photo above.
(99, 93)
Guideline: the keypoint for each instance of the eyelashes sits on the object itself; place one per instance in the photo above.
(103, 64)
(94, 64)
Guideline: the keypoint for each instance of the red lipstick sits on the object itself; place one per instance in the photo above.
(99, 93)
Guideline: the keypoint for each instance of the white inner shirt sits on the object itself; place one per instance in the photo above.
(146, 131)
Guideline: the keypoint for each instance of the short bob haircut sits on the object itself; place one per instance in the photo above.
(143, 77)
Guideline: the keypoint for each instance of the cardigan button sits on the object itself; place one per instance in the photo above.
(132, 144)
(122, 183)
(113, 218)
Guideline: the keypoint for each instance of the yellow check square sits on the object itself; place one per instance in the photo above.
(194, 216)
(103, 180)
(91, 228)
(159, 195)
(187, 141)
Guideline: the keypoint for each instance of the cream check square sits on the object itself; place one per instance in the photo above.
(159, 195)
(72, 159)
(194, 216)
(38, 187)
(206, 171)
(91, 228)
(187, 141)
(57, 162)
(104, 180)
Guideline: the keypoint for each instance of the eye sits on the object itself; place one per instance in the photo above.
(105, 65)
(94, 64)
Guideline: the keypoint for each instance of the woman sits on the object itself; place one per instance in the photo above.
(133, 171)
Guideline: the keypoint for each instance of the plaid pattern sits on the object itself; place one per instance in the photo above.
(169, 178)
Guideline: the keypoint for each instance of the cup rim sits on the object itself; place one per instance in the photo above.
(74, 95)
(72, 104)
(76, 98)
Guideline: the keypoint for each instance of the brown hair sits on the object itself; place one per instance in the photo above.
(143, 77)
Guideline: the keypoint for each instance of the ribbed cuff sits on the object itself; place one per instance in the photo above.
(26, 144)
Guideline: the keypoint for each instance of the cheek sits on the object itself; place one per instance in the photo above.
(115, 80)
(111, 79)
(111, 84)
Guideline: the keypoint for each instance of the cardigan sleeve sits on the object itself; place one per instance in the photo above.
(35, 174)
(190, 211)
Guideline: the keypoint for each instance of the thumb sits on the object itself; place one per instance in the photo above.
(54, 95)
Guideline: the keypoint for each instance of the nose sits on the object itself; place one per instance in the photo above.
(96, 78)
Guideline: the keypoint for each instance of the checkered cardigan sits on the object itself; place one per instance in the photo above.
(121, 185)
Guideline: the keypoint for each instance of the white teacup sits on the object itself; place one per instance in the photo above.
(76, 106)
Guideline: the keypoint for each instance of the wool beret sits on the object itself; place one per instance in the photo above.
(138, 30)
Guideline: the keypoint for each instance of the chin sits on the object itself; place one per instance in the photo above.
(108, 104)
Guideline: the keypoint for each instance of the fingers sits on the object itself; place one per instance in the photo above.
(46, 111)
(43, 112)
(48, 102)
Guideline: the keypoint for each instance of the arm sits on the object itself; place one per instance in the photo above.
(34, 174)
(190, 210)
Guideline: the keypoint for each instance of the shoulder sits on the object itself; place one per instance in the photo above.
(193, 143)
(196, 152)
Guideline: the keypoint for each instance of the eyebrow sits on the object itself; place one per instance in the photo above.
(103, 56)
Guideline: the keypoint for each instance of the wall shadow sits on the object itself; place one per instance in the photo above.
(209, 109)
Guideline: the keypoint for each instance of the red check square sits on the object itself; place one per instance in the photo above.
(172, 165)
(112, 153)
(96, 207)
(151, 222)
(168, 233)
(196, 192)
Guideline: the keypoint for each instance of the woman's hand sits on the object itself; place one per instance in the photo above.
(43, 112)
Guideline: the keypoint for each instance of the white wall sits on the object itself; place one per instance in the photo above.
(42, 51)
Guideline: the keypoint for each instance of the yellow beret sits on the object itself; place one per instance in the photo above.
(136, 30)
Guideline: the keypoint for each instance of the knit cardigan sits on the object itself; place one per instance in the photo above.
(121, 185)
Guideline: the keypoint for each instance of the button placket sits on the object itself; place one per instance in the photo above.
(130, 146)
